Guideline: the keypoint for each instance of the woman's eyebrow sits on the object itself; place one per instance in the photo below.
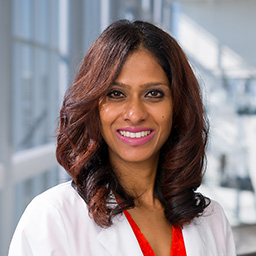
(146, 85)
(121, 85)
(153, 84)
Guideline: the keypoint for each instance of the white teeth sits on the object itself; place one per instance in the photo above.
(134, 134)
(139, 134)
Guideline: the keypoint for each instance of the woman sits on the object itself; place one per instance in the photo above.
(132, 135)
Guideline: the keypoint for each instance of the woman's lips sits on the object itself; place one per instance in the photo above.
(135, 136)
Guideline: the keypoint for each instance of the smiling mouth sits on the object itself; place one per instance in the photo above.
(134, 134)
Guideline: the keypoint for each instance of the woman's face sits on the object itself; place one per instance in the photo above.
(136, 113)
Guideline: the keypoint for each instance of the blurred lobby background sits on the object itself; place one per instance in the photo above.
(42, 43)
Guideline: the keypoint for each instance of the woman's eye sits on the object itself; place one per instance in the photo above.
(155, 94)
(115, 94)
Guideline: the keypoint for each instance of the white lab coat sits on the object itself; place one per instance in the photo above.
(56, 223)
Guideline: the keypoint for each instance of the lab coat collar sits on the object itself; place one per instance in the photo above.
(119, 239)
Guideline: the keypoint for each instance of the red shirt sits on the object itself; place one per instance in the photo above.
(178, 246)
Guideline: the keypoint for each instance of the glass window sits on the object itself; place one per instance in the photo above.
(35, 85)
(42, 21)
(23, 18)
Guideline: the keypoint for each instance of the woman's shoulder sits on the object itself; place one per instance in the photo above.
(211, 228)
(50, 222)
(58, 197)
(214, 212)
(59, 201)
(213, 217)
(59, 194)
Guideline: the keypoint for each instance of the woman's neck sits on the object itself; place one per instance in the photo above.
(138, 179)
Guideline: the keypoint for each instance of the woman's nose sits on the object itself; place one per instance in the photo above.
(135, 112)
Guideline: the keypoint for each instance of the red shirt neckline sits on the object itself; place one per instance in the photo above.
(178, 246)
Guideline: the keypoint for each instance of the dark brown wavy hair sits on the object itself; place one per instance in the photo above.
(82, 151)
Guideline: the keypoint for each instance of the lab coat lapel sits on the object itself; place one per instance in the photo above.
(199, 239)
(194, 240)
(119, 238)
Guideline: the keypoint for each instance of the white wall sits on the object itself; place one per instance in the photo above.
(232, 23)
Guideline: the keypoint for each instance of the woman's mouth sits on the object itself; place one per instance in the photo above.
(135, 136)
